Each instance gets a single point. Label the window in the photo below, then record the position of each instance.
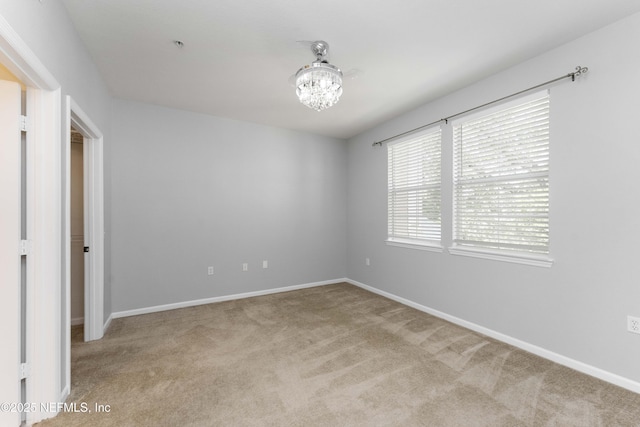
(501, 180)
(414, 190)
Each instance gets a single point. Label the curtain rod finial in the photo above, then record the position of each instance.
(578, 72)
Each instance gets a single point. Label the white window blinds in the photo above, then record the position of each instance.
(414, 188)
(501, 178)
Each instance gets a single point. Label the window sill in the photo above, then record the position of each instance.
(412, 244)
(497, 255)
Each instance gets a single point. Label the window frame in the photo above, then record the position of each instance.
(487, 252)
(407, 241)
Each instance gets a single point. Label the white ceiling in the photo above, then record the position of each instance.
(239, 54)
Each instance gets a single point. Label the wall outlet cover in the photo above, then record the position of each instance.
(633, 324)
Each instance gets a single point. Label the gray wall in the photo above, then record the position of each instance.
(192, 191)
(578, 307)
(176, 211)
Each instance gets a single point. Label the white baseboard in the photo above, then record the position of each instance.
(107, 324)
(193, 303)
(539, 351)
(65, 393)
(77, 321)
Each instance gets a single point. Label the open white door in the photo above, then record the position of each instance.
(10, 275)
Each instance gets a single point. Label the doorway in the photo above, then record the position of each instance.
(45, 377)
(77, 209)
(82, 161)
(40, 250)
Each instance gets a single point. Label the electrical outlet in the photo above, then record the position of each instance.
(633, 324)
(265, 264)
(210, 271)
(367, 261)
(245, 267)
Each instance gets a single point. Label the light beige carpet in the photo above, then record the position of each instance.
(334, 355)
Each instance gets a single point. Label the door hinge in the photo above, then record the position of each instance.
(85, 249)
(25, 247)
(24, 123)
(24, 370)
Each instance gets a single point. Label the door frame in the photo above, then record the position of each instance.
(11, 275)
(93, 181)
(43, 222)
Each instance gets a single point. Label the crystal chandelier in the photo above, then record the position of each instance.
(319, 85)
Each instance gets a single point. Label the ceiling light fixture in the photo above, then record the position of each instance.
(319, 85)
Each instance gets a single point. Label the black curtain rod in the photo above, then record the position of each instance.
(578, 72)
